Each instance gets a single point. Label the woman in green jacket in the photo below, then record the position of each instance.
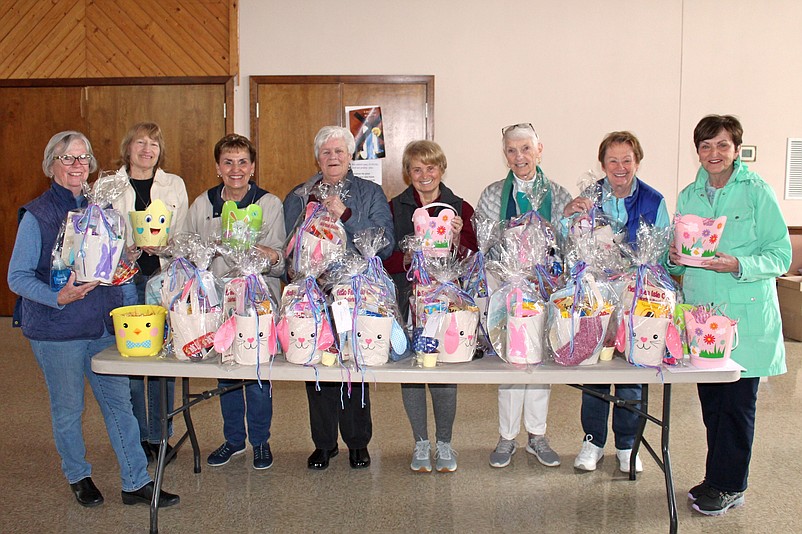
(754, 249)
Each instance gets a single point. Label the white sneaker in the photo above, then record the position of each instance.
(421, 462)
(588, 456)
(502, 455)
(624, 455)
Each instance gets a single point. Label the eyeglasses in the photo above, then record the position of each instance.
(524, 125)
(67, 159)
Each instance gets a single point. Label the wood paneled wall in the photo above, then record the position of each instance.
(112, 39)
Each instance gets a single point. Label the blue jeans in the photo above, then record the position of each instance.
(64, 365)
(595, 412)
(259, 413)
(147, 412)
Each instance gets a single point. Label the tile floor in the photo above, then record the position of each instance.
(388, 497)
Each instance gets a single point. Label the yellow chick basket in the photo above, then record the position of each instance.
(139, 329)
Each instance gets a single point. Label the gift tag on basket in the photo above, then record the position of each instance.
(342, 315)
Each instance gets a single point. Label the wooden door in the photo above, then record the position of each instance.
(191, 115)
(403, 109)
(191, 118)
(287, 112)
(291, 115)
(28, 119)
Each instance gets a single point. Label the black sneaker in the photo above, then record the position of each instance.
(718, 502)
(262, 457)
(703, 488)
(223, 454)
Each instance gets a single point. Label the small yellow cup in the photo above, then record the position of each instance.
(430, 359)
(606, 354)
(328, 359)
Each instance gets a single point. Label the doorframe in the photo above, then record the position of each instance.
(169, 80)
(256, 81)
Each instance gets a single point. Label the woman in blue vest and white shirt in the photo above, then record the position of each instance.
(501, 201)
(627, 200)
(142, 157)
(68, 327)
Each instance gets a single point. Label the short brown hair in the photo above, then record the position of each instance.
(710, 126)
(141, 129)
(428, 152)
(623, 137)
(232, 142)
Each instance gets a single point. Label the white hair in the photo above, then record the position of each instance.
(59, 144)
(334, 132)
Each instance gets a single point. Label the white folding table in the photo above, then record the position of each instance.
(487, 370)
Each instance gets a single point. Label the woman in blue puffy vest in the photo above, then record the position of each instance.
(626, 200)
(66, 328)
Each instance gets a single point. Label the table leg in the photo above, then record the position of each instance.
(672, 499)
(644, 409)
(157, 486)
(193, 439)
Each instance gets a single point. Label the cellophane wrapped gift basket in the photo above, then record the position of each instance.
(91, 241)
(193, 297)
(248, 333)
(517, 309)
(647, 335)
(305, 328)
(441, 309)
(365, 309)
(474, 278)
(318, 236)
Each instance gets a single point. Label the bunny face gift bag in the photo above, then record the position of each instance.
(442, 310)
(646, 323)
(248, 333)
(517, 311)
(364, 305)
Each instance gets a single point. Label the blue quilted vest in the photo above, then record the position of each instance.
(83, 319)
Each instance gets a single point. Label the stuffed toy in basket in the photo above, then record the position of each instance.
(578, 318)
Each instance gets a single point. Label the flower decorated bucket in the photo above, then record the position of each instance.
(435, 232)
(151, 227)
(139, 330)
(711, 338)
(697, 238)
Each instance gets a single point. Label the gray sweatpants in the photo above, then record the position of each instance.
(444, 404)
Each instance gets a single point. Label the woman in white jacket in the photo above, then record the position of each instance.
(141, 157)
